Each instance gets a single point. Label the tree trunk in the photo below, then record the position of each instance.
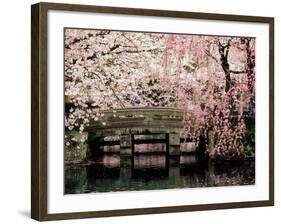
(223, 51)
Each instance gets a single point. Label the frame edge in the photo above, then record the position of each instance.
(271, 111)
(38, 112)
(35, 190)
(154, 12)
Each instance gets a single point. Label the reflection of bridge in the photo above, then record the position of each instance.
(112, 173)
(128, 122)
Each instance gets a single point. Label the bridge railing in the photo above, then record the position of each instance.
(139, 117)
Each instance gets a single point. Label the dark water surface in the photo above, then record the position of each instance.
(151, 172)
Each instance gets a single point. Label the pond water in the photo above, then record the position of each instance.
(151, 172)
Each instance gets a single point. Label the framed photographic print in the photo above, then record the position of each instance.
(140, 111)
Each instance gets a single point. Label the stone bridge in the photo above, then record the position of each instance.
(129, 122)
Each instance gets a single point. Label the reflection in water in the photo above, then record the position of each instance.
(150, 169)
(150, 172)
(144, 161)
(223, 173)
(107, 161)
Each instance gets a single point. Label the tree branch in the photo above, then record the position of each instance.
(237, 72)
(208, 53)
(134, 51)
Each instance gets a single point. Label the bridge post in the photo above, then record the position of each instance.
(174, 144)
(125, 144)
(95, 147)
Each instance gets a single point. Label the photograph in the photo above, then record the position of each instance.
(153, 111)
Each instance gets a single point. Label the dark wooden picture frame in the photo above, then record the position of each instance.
(39, 121)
